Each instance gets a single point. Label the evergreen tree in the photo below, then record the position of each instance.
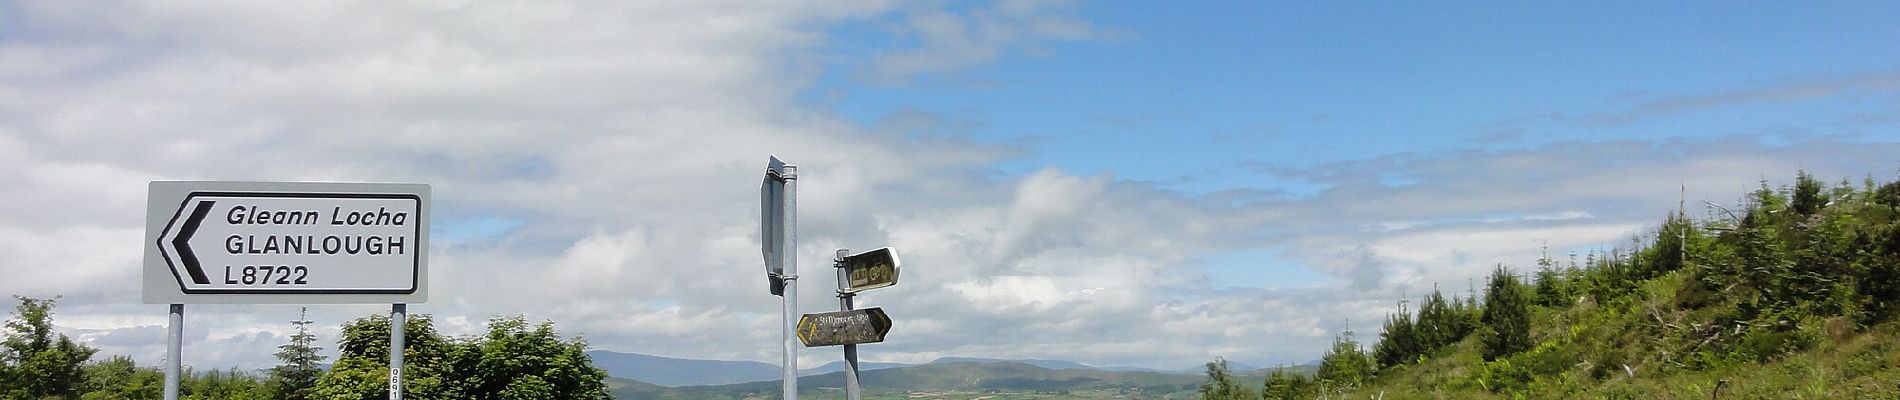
(1764, 266)
(1436, 323)
(1550, 286)
(297, 370)
(39, 363)
(1550, 291)
(1398, 342)
(1507, 316)
(1346, 365)
(1888, 195)
(230, 384)
(1286, 385)
(1672, 245)
(1467, 316)
(1808, 198)
(1878, 247)
(1221, 384)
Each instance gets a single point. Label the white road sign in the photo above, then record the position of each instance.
(285, 242)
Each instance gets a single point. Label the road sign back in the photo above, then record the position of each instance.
(280, 242)
(772, 219)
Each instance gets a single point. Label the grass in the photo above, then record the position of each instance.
(1660, 331)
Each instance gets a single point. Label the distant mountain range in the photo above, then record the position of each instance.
(966, 378)
(668, 371)
(678, 372)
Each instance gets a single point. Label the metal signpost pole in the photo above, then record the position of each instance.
(851, 389)
(174, 346)
(398, 319)
(790, 276)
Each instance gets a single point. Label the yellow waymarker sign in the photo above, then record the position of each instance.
(844, 327)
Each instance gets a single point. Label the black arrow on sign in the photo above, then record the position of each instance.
(183, 242)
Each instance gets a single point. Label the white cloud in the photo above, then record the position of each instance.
(947, 40)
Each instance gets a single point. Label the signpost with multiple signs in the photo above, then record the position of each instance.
(285, 243)
(778, 243)
(849, 327)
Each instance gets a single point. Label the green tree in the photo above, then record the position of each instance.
(1436, 323)
(362, 367)
(358, 378)
(1398, 342)
(1764, 266)
(1286, 385)
(1346, 365)
(1671, 250)
(1549, 289)
(1888, 195)
(1221, 384)
(118, 378)
(1878, 249)
(38, 362)
(297, 369)
(229, 384)
(1808, 198)
(515, 359)
(1507, 316)
(1468, 316)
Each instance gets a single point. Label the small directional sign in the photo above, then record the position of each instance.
(869, 270)
(281, 242)
(844, 327)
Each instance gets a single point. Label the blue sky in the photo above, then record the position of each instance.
(1245, 179)
(1196, 98)
(1187, 95)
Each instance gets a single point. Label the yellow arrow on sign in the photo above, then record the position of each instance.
(806, 328)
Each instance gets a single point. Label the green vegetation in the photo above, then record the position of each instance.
(1507, 316)
(298, 368)
(35, 362)
(1221, 384)
(1793, 294)
(513, 360)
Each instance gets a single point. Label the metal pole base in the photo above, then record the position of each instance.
(174, 347)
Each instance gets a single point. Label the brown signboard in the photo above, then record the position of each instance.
(844, 327)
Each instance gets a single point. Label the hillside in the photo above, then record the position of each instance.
(1792, 294)
(677, 372)
(950, 380)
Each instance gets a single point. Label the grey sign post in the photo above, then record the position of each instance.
(852, 390)
(857, 272)
(398, 323)
(778, 240)
(284, 243)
